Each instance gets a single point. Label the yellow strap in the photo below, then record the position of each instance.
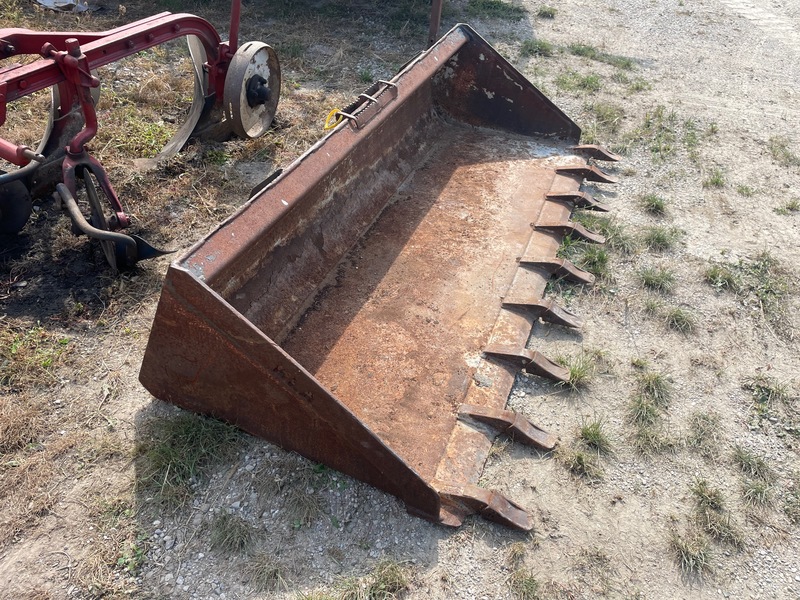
(334, 118)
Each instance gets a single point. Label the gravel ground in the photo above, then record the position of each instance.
(730, 67)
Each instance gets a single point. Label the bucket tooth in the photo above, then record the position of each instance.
(596, 152)
(587, 172)
(533, 361)
(560, 267)
(544, 367)
(550, 312)
(519, 356)
(579, 200)
(575, 230)
(510, 423)
(466, 499)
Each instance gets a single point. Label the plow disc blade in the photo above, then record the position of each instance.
(371, 306)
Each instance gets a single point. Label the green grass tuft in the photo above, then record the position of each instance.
(704, 433)
(546, 12)
(230, 533)
(386, 581)
(537, 48)
(655, 386)
(581, 369)
(766, 392)
(582, 464)
(661, 238)
(680, 320)
(707, 497)
(177, 450)
(654, 204)
(789, 207)
(778, 147)
(572, 81)
(722, 277)
(657, 279)
(643, 411)
(752, 465)
(716, 179)
(592, 53)
(524, 585)
(594, 436)
(495, 9)
(692, 553)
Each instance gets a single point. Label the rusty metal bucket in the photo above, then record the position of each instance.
(370, 307)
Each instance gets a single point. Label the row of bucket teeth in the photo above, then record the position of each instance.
(507, 349)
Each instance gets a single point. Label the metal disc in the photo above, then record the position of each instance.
(253, 59)
(98, 219)
(15, 207)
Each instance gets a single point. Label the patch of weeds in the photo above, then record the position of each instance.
(581, 369)
(230, 533)
(757, 494)
(655, 386)
(658, 279)
(692, 552)
(537, 48)
(495, 9)
(29, 356)
(594, 259)
(649, 440)
(703, 434)
(131, 556)
(789, 207)
(722, 277)
(607, 116)
(265, 573)
(524, 585)
(177, 450)
(716, 179)
(712, 129)
(216, 157)
(302, 500)
(752, 465)
(582, 464)
(657, 132)
(652, 306)
(690, 138)
(22, 423)
(572, 81)
(617, 237)
(637, 84)
(643, 411)
(386, 581)
(661, 238)
(546, 12)
(778, 147)
(365, 76)
(515, 553)
(592, 53)
(768, 282)
(766, 392)
(654, 204)
(745, 190)
(680, 320)
(640, 363)
(720, 526)
(711, 515)
(594, 436)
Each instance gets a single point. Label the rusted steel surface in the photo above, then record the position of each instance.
(371, 307)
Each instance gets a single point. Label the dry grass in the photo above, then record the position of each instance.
(387, 581)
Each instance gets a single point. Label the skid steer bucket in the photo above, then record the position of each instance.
(371, 306)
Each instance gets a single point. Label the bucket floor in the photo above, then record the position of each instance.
(398, 331)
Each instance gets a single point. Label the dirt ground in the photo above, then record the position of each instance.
(689, 486)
